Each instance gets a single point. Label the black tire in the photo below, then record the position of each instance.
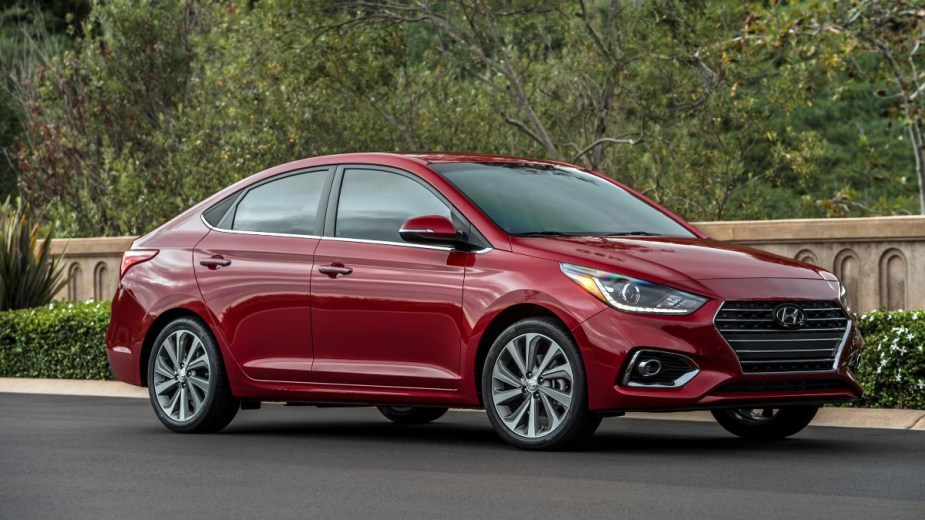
(775, 424)
(575, 425)
(217, 407)
(411, 414)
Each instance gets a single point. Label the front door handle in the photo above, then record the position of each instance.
(335, 271)
(215, 262)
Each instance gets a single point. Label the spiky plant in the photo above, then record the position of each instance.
(29, 275)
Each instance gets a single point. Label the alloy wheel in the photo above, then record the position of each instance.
(532, 385)
(182, 375)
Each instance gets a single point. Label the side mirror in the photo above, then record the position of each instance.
(430, 229)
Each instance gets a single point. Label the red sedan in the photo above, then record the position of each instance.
(547, 294)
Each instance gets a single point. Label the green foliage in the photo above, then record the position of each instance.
(28, 29)
(9, 130)
(29, 275)
(61, 340)
(719, 110)
(892, 370)
(100, 118)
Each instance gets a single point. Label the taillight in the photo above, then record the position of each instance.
(135, 257)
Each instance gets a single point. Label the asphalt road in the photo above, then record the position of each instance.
(99, 458)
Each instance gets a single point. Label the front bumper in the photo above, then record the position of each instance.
(609, 339)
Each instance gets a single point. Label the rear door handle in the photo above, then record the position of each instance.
(335, 271)
(215, 262)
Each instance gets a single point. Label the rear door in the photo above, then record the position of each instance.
(254, 270)
(385, 312)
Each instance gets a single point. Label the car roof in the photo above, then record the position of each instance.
(402, 159)
(440, 157)
(429, 157)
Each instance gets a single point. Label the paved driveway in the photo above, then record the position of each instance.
(95, 458)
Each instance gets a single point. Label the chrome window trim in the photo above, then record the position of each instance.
(404, 244)
(258, 233)
(342, 239)
(387, 243)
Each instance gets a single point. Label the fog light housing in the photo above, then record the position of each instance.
(649, 368)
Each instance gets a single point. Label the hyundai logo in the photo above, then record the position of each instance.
(789, 316)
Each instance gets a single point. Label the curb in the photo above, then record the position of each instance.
(28, 385)
(837, 417)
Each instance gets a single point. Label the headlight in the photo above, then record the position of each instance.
(843, 295)
(632, 295)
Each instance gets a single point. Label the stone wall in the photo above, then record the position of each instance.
(93, 264)
(881, 260)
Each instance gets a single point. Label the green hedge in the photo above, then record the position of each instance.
(63, 340)
(66, 340)
(892, 369)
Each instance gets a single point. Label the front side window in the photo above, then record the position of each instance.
(288, 205)
(374, 204)
(543, 199)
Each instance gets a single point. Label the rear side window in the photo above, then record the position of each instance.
(288, 205)
(215, 214)
(374, 204)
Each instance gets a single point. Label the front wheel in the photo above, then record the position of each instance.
(765, 424)
(186, 379)
(534, 387)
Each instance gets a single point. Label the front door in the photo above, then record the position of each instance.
(385, 312)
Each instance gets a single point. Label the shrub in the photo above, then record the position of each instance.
(892, 369)
(64, 340)
(29, 275)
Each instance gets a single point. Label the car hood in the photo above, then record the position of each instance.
(687, 262)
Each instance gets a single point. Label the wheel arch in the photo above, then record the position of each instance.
(498, 324)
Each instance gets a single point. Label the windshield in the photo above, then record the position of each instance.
(547, 200)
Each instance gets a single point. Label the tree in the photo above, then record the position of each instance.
(99, 117)
(719, 110)
(893, 30)
(28, 29)
(896, 31)
(507, 58)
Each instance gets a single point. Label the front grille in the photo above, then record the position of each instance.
(797, 385)
(763, 345)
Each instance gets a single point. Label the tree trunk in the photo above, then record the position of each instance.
(915, 135)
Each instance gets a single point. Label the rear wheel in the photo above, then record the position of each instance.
(411, 414)
(765, 424)
(534, 387)
(186, 379)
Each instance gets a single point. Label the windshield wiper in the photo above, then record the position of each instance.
(585, 234)
(629, 234)
(543, 234)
